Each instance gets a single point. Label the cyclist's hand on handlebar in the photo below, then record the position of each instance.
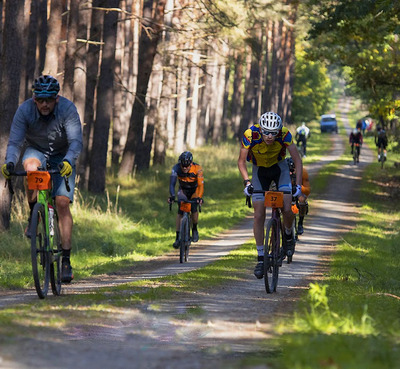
(296, 191)
(248, 190)
(65, 168)
(199, 200)
(171, 199)
(7, 169)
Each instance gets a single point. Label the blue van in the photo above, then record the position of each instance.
(328, 123)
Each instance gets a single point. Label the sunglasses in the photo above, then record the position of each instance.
(41, 100)
(272, 133)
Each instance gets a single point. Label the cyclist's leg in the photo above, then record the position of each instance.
(31, 160)
(195, 220)
(303, 210)
(285, 185)
(260, 182)
(63, 199)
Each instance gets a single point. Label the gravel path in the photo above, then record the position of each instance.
(237, 317)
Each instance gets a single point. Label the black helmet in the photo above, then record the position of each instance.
(186, 158)
(291, 164)
(45, 86)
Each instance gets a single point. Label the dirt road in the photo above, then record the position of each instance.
(237, 315)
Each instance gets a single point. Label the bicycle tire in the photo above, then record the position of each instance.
(39, 254)
(272, 257)
(183, 237)
(56, 259)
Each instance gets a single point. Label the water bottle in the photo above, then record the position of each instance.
(51, 220)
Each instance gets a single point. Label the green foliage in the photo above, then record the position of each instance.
(312, 89)
(363, 36)
(351, 320)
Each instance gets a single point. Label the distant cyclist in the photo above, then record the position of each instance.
(265, 145)
(381, 141)
(49, 124)
(356, 139)
(191, 187)
(302, 197)
(302, 135)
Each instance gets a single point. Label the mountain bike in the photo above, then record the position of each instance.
(46, 250)
(356, 153)
(274, 239)
(184, 229)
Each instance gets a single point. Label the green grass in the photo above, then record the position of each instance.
(351, 319)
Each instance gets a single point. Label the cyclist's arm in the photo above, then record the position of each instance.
(200, 183)
(17, 137)
(294, 153)
(172, 182)
(73, 129)
(242, 163)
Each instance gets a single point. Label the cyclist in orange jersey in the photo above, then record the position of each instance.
(191, 186)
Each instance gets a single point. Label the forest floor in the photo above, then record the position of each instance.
(237, 316)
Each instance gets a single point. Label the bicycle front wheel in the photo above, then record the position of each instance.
(56, 258)
(184, 239)
(39, 254)
(272, 257)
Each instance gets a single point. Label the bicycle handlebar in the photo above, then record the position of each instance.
(248, 198)
(189, 201)
(24, 173)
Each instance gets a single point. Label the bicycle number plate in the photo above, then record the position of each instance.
(185, 207)
(273, 199)
(39, 180)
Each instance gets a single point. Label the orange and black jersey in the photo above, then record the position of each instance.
(191, 183)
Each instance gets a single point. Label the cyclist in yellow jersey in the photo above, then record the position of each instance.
(265, 145)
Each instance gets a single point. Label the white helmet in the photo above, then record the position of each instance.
(270, 122)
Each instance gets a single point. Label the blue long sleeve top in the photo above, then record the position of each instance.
(60, 133)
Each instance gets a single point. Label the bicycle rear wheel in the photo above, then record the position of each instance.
(39, 255)
(56, 258)
(183, 238)
(272, 257)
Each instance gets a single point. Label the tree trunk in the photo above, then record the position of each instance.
(236, 104)
(72, 35)
(104, 110)
(151, 32)
(53, 39)
(152, 117)
(9, 93)
(96, 24)
(181, 104)
(194, 101)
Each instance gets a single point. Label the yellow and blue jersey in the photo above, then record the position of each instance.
(260, 153)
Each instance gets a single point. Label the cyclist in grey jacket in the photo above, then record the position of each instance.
(50, 127)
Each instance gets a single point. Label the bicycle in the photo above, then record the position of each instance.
(273, 247)
(301, 149)
(356, 153)
(46, 250)
(184, 229)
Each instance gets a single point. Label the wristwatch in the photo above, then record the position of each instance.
(246, 181)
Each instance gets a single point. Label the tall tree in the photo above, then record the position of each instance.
(153, 20)
(72, 36)
(11, 59)
(53, 39)
(104, 109)
(92, 70)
